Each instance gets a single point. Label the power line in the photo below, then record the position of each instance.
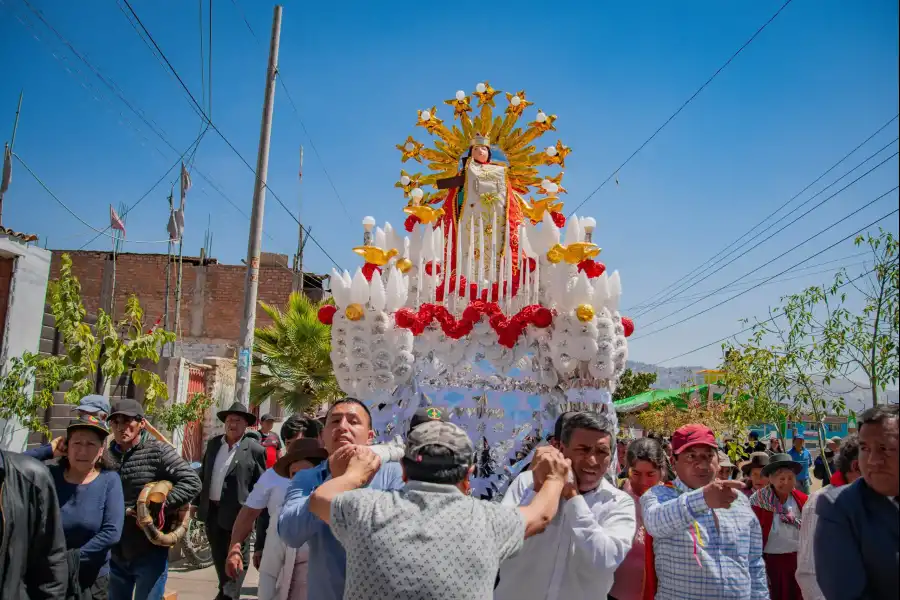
(287, 92)
(729, 299)
(746, 329)
(223, 137)
(313, 146)
(675, 284)
(684, 105)
(754, 282)
(151, 125)
(770, 236)
(73, 213)
(246, 22)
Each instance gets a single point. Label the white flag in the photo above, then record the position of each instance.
(185, 184)
(7, 171)
(114, 221)
(176, 225)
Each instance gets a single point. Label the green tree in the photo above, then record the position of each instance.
(865, 341)
(28, 384)
(756, 386)
(292, 358)
(179, 415)
(631, 384)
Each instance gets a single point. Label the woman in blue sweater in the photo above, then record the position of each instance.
(91, 503)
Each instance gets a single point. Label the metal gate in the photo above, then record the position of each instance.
(192, 448)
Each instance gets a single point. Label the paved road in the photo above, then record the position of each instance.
(203, 585)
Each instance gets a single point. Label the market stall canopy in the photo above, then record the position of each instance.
(676, 396)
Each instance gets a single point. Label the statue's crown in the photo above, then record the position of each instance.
(481, 140)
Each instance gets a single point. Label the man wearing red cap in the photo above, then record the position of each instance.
(703, 539)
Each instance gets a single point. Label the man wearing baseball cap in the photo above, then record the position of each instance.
(703, 539)
(425, 415)
(426, 535)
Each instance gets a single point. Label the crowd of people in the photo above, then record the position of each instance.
(586, 516)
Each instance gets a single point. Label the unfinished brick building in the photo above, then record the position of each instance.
(212, 293)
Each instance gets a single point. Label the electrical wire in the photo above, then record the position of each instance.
(729, 299)
(676, 283)
(224, 138)
(783, 227)
(73, 213)
(287, 92)
(745, 329)
(684, 105)
(754, 282)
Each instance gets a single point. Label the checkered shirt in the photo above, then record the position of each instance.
(701, 553)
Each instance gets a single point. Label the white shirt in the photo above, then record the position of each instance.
(784, 538)
(576, 557)
(223, 461)
(277, 564)
(806, 560)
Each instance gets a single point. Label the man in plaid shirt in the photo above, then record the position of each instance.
(706, 542)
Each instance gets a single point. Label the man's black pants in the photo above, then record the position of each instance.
(219, 542)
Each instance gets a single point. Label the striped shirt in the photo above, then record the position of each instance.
(701, 553)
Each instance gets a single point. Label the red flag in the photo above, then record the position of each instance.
(114, 221)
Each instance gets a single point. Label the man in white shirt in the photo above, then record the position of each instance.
(577, 555)
(278, 562)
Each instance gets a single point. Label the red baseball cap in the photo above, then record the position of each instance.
(692, 435)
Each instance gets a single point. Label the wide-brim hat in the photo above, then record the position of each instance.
(90, 422)
(237, 409)
(302, 449)
(757, 460)
(781, 461)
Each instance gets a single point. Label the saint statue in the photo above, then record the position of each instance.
(482, 207)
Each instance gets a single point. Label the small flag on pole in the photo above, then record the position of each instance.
(300, 175)
(185, 184)
(7, 170)
(114, 221)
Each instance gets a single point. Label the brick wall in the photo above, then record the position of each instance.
(212, 294)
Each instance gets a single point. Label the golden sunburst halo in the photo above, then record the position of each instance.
(519, 144)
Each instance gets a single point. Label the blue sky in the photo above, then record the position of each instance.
(818, 81)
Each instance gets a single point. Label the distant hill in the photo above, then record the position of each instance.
(857, 399)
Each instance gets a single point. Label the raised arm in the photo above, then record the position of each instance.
(362, 464)
(601, 543)
(665, 518)
(551, 472)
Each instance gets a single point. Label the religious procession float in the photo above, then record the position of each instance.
(493, 306)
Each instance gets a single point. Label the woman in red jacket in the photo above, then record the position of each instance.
(778, 507)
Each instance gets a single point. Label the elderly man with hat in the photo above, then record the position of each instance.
(282, 570)
(703, 539)
(231, 466)
(430, 539)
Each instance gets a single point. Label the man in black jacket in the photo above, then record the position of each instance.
(858, 532)
(32, 546)
(139, 569)
(231, 466)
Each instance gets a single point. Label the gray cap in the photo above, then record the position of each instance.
(444, 435)
(93, 404)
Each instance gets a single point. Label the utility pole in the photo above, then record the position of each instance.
(169, 270)
(242, 386)
(7, 155)
(298, 258)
